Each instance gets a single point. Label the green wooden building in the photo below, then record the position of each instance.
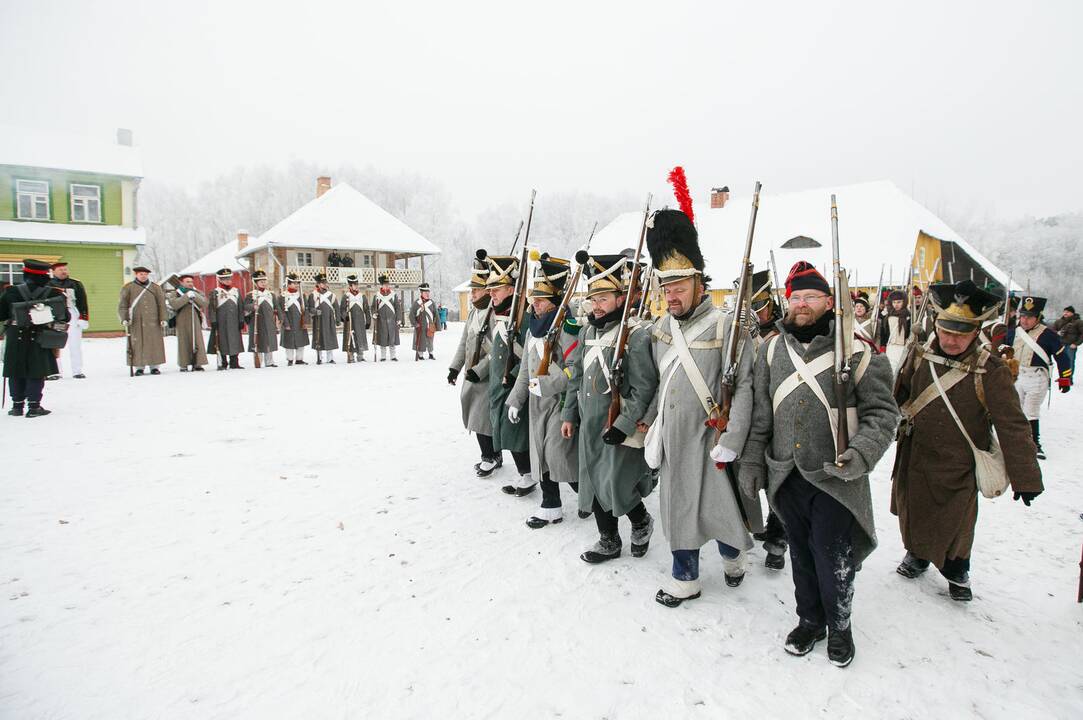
(67, 198)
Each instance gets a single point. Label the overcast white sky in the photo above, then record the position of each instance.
(974, 106)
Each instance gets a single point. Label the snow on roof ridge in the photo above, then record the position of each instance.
(43, 148)
(222, 256)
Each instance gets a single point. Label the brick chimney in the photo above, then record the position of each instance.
(323, 184)
(720, 196)
(124, 137)
(242, 240)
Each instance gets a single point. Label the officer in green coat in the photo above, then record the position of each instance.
(515, 437)
(613, 476)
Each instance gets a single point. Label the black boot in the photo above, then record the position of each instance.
(774, 561)
(17, 409)
(803, 638)
(289, 363)
(1035, 431)
(607, 548)
(155, 371)
(488, 466)
(584, 514)
(235, 362)
(36, 410)
(959, 593)
(139, 371)
(641, 536)
(912, 566)
(536, 523)
(840, 647)
(197, 368)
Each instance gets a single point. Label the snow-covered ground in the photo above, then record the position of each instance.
(312, 542)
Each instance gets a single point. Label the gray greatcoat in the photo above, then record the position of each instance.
(798, 434)
(356, 308)
(385, 317)
(268, 331)
(549, 451)
(506, 434)
(145, 312)
(226, 317)
(290, 310)
(475, 395)
(321, 309)
(616, 474)
(189, 308)
(697, 500)
(426, 321)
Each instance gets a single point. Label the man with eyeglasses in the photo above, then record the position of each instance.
(822, 497)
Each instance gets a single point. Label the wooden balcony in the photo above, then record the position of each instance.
(399, 277)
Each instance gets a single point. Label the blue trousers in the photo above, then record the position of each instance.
(686, 562)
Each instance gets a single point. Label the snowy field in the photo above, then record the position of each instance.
(312, 542)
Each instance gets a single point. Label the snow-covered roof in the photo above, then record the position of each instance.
(462, 287)
(65, 233)
(878, 228)
(344, 219)
(32, 147)
(215, 260)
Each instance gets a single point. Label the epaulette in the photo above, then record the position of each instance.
(571, 326)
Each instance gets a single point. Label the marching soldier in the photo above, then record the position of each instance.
(142, 312)
(78, 310)
(767, 314)
(27, 362)
(613, 475)
(822, 496)
(514, 437)
(425, 320)
(260, 312)
(323, 314)
(473, 350)
(553, 459)
(291, 311)
(1037, 347)
(698, 501)
(895, 329)
(934, 488)
(226, 316)
(354, 307)
(188, 306)
(385, 318)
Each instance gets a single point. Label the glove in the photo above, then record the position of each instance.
(452, 376)
(1026, 497)
(124, 323)
(853, 466)
(83, 324)
(1065, 384)
(513, 414)
(752, 478)
(472, 376)
(614, 436)
(164, 324)
(722, 455)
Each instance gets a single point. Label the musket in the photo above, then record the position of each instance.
(316, 325)
(128, 340)
(879, 292)
(347, 328)
(581, 258)
(844, 337)
(616, 373)
(483, 332)
(774, 282)
(1007, 301)
(518, 301)
(255, 327)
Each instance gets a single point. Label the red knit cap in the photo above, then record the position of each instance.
(804, 276)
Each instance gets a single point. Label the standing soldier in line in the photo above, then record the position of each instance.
(698, 503)
(323, 313)
(934, 489)
(553, 459)
(354, 307)
(864, 322)
(291, 312)
(80, 316)
(474, 396)
(895, 329)
(260, 311)
(507, 435)
(188, 306)
(26, 362)
(142, 312)
(385, 316)
(1037, 347)
(226, 316)
(768, 314)
(424, 318)
(613, 475)
(822, 496)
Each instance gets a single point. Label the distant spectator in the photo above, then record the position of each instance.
(347, 260)
(334, 260)
(1070, 328)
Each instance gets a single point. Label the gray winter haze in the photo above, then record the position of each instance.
(972, 107)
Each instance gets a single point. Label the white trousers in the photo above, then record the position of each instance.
(75, 346)
(1032, 386)
(295, 353)
(895, 355)
(384, 349)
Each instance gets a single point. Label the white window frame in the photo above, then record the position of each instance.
(11, 272)
(367, 260)
(304, 259)
(34, 197)
(71, 194)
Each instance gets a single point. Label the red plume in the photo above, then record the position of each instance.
(680, 190)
